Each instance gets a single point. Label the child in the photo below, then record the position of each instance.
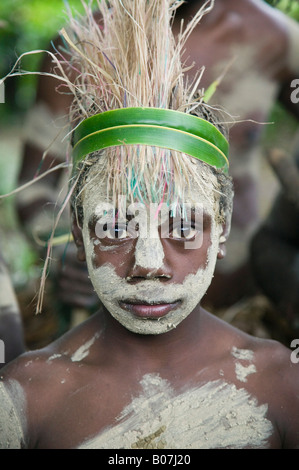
(151, 215)
(254, 48)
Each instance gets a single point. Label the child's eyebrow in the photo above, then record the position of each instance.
(94, 218)
(118, 215)
(193, 211)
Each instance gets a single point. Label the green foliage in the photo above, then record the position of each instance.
(26, 25)
(20, 257)
(33, 23)
(290, 7)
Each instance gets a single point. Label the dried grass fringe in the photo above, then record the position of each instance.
(128, 59)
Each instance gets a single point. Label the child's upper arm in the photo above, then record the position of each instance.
(12, 413)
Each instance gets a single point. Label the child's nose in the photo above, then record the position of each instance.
(149, 253)
(149, 260)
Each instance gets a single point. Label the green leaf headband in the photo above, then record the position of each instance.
(156, 127)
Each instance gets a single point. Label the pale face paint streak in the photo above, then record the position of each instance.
(242, 371)
(149, 253)
(112, 289)
(80, 353)
(12, 415)
(83, 351)
(53, 357)
(215, 415)
(242, 354)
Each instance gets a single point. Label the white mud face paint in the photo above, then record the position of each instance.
(12, 416)
(149, 251)
(113, 290)
(83, 351)
(212, 416)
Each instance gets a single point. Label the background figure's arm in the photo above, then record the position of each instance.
(290, 75)
(275, 246)
(11, 326)
(38, 206)
(11, 425)
(44, 130)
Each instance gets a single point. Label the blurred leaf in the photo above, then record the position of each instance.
(26, 25)
(290, 7)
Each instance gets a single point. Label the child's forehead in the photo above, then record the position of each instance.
(98, 206)
(197, 186)
(144, 211)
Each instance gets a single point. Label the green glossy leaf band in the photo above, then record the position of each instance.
(155, 127)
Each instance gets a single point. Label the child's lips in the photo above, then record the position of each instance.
(149, 310)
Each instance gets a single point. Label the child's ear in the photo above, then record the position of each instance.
(78, 239)
(223, 238)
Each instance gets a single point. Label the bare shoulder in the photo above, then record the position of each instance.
(72, 347)
(275, 361)
(37, 383)
(42, 368)
(269, 371)
(279, 375)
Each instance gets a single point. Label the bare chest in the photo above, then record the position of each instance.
(213, 415)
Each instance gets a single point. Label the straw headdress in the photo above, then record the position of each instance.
(128, 74)
(135, 120)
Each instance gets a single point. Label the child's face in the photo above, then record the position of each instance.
(152, 278)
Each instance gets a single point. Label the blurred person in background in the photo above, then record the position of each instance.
(11, 326)
(275, 245)
(252, 50)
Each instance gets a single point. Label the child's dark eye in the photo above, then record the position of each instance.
(185, 230)
(119, 231)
